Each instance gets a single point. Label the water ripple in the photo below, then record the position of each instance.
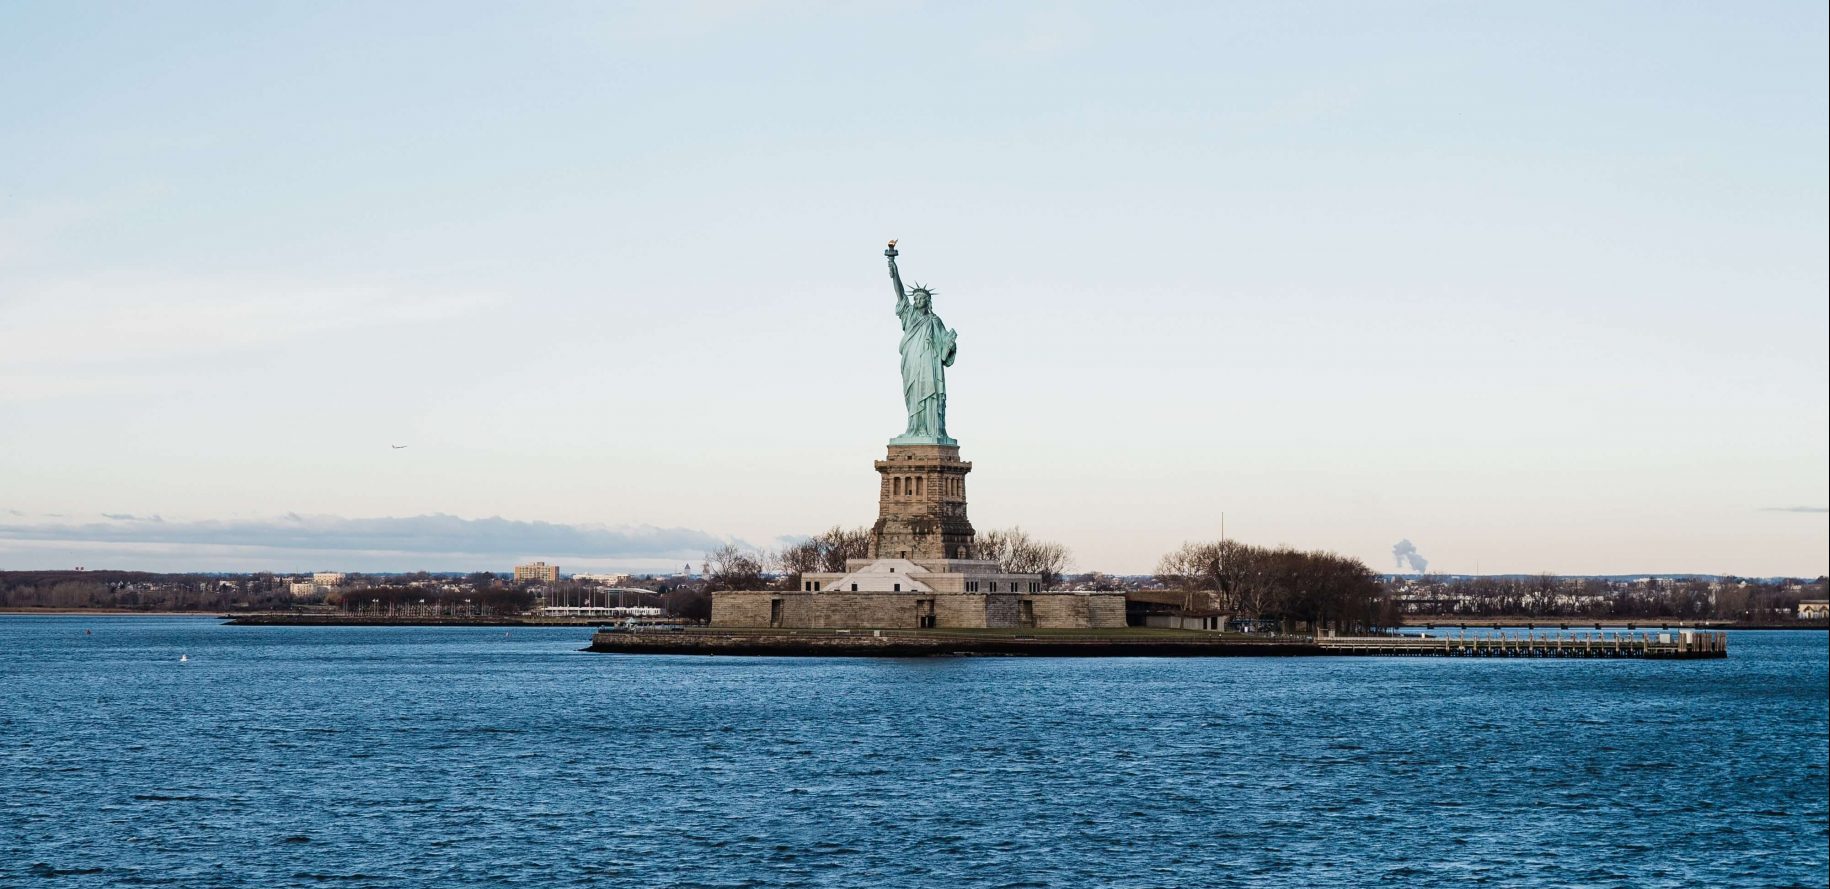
(447, 757)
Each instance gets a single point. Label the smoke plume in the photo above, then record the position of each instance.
(1405, 552)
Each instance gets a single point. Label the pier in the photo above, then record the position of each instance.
(1680, 645)
(1144, 642)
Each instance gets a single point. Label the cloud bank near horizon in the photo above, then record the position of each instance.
(301, 542)
(1805, 509)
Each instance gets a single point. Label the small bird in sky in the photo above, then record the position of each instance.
(396, 447)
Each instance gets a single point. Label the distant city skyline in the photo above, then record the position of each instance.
(1532, 288)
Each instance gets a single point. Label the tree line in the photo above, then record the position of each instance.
(141, 590)
(1281, 583)
(731, 567)
(1548, 595)
(259, 591)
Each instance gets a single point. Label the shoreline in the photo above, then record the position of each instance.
(275, 618)
(1132, 642)
(272, 619)
(29, 611)
(959, 643)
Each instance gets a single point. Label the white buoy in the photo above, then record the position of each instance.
(184, 659)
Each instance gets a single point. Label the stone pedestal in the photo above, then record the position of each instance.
(921, 573)
(921, 511)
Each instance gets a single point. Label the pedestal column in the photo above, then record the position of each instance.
(921, 498)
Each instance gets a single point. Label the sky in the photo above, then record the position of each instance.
(1533, 286)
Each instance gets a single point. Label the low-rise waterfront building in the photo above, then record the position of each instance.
(1212, 621)
(896, 593)
(636, 612)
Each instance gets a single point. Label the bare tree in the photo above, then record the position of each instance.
(839, 545)
(801, 558)
(1319, 588)
(688, 602)
(823, 553)
(1018, 553)
(732, 568)
(1233, 572)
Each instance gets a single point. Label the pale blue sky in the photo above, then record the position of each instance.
(1538, 286)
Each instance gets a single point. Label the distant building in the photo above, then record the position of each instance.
(604, 579)
(1813, 609)
(645, 612)
(303, 588)
(328, 578)
(1188, 620)
(537, 572)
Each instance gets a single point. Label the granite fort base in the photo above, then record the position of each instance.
(909, 611)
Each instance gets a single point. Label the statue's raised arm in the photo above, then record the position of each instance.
(896, 276)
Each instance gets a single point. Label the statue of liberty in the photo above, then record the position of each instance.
(928, 348)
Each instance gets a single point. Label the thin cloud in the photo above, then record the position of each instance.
(137, 330)
(1810, 509)
(1043, 36)
(428, 538)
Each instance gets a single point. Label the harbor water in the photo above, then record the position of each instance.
(436, 756)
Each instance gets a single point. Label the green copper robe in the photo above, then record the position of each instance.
(928, 348)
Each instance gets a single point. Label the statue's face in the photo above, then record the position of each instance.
(921, 300)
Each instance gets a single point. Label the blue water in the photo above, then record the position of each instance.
(471, 757)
